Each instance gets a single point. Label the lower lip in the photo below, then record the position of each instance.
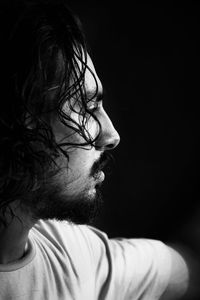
(99, 176)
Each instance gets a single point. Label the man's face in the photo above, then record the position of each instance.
(73, 193)
(76, 173)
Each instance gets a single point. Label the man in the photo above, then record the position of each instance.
(55, 135)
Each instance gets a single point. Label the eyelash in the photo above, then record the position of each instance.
(94, 108)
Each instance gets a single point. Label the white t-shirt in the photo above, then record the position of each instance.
(66, 262)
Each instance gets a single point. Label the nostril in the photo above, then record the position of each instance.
(112, 144)
(108, 138)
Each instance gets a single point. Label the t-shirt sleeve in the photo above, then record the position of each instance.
(103, 268)
(129, 268)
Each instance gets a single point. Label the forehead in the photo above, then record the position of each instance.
(92, 80)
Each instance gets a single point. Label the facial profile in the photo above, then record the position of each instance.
(74, 192)
(61, 133)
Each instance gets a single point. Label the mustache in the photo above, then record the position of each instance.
(103, 162)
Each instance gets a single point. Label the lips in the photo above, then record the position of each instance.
(100, 164)
(99, 176)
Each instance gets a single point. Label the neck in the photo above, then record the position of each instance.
(14, 237)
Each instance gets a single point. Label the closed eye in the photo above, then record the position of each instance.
(94, 100)
(94, 106)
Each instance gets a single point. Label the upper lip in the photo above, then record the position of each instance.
(102, 165)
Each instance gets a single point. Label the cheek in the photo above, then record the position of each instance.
(79, 159)
(88, 123)
(92, 128)
(65, 134)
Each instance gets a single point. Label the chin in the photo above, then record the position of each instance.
(92, 194)
(51, 203)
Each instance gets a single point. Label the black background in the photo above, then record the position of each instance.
(147, 57)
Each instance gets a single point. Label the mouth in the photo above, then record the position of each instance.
(99, 165)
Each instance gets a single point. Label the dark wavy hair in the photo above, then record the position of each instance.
(42, 65)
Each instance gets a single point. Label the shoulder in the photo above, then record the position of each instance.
(84, 246)
(140, 265)
(70, 236)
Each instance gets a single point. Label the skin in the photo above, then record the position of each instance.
(76, 173)
(75, 177)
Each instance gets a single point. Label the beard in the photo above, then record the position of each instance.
(51, 202)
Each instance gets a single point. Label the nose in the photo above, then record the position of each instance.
(109, 137)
